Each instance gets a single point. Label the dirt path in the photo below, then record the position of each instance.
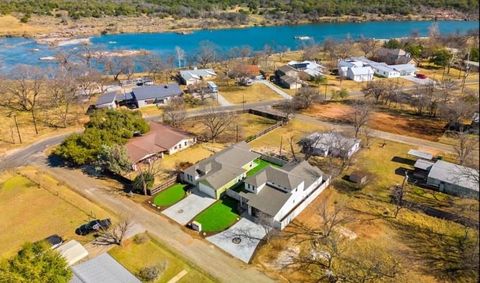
(201, 253)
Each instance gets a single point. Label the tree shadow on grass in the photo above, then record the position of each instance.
(451, 258)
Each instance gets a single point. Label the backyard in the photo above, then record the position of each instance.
(170, 195)
(35, 205)
(260, 165)
(295, 130)
(425, 246)
(219, 216)
(144, 251)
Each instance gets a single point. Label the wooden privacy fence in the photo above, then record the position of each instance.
(169, 182)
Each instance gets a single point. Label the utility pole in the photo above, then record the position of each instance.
(281, 145)
(18, 129)
(236, 133)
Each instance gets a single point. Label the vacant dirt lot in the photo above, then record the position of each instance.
(402, 124)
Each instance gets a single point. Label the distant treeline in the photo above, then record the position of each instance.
(271, 9)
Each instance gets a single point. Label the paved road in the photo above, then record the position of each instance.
(19, 157)
(200, 252)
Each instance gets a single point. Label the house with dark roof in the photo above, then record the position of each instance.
(393, 56)
(214, 175)
(289, 77)
(155, 94)
(160, 140)
(107, 100)
(277, 195)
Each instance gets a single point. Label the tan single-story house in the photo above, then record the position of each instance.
(160, 140)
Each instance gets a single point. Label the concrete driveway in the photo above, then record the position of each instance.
(240, 240)
(418, 81)
(186, 209)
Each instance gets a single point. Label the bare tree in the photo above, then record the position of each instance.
(24, 91)
(206, 53)
(360, 115)
(118, 65)
(306, 97)
(465, 146)
(115, 235)
(63, 94)
(367, 45)
(217, 122)
(447, 86)
(174, 112)
(375, 89)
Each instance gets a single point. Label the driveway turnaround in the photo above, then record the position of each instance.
(240, 240)
(186, 209)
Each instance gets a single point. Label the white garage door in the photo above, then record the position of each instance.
(207, 190)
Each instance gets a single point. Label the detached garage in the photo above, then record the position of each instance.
(103, 269)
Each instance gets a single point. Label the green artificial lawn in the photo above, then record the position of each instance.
(261, 164)
(219, 216)
(170, 196)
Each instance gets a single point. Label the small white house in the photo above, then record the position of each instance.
(189, 77)
(355, 70)
(333, 144)
(383, 70)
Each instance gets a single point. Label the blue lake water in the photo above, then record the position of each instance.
(26, 51)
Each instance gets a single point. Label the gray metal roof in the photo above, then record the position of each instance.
(102, 269)
(156, 91)
(423, 164)
(404, 67)
(197, 74)
(420, 154)
(106, 98)
(361, 70)
(454, 174)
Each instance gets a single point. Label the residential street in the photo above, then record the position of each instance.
(203, 254)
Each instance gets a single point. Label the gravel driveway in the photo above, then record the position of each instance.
(186, 209)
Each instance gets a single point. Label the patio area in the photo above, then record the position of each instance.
(240, 240)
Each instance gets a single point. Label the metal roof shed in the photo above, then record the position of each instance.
(72, 251)
(103, 269)
(420, 154)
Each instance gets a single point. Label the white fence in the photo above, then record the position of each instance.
(299, 208)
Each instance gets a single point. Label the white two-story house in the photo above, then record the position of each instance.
(278, 195)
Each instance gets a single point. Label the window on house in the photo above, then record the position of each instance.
(185, 143)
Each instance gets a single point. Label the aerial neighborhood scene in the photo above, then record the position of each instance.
(239, 141)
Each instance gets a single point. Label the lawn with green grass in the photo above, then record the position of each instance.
(170, 196)
(135, 255)
(219, 216)
(261, 164)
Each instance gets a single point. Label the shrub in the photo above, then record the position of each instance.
(140, 239)
(151, 273)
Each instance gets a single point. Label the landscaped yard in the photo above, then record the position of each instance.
(261, 164)
(31, 212)
(170, 195)
(135, 255)
(253, 93)
(219, 216)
